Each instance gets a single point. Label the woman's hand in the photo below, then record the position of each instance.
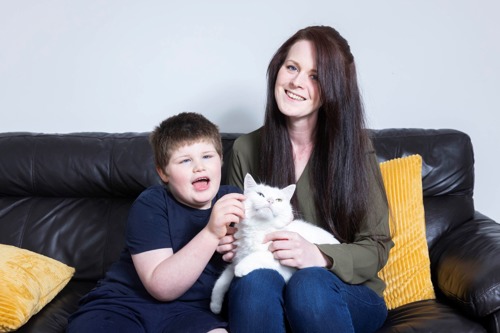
(293, 250)
(226, 245)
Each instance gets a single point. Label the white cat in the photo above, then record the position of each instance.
(267, 209)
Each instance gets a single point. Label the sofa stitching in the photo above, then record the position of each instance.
(33, 167)
(33, 189)
(109, 208)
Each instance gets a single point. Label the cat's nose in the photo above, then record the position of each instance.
(270, 201)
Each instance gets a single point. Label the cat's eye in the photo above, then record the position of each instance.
(279, 200)
(260, 193)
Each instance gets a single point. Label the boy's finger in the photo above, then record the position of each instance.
(235, 195)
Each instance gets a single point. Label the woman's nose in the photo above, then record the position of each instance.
(298, 80)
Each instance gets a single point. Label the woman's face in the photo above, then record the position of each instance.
(296, 89)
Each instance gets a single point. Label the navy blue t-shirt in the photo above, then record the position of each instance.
(157, 220)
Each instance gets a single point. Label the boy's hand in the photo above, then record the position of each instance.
(228, 209)
(226, 245)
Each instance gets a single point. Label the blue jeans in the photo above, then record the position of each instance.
(314, 300)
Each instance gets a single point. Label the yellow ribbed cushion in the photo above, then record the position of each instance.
(28, 281)
(407, 273)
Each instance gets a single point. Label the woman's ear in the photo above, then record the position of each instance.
(162, 174)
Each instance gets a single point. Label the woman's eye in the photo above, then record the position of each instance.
(314, 77)
(291, 68)
(259, 193)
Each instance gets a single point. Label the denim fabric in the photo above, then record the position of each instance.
(314, 300)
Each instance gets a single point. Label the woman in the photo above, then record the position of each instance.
(314, 136)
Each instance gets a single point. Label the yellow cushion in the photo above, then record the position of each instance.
(28, 281)
(407, 273)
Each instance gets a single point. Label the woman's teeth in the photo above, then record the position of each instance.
(295, 97)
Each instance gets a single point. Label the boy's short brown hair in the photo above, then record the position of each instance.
(180, 130)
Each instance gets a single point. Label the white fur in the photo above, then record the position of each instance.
(267, 209)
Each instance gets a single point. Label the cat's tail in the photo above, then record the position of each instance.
(220, 288)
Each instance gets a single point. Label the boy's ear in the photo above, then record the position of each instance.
(162, 174)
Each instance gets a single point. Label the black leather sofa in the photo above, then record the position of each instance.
(67, 196)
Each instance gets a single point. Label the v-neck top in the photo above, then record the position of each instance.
(356, 263)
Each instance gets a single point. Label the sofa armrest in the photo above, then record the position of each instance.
(492, 322)
(465, 263)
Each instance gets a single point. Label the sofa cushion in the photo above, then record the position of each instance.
(67, 196)
(54, 316)
(28, 281)
(407, 272)
(429, 316)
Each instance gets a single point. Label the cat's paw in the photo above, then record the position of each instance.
(215, 307)
(242, 270)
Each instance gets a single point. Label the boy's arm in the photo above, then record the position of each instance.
(167, 275)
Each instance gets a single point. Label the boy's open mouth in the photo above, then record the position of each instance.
(201, 184)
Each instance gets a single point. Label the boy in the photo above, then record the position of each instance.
(164, 278)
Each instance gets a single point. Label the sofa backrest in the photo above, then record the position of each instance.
(67, 195)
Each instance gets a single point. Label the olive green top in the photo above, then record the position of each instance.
(355, 263)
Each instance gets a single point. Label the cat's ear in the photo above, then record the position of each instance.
(249, 182)
(289, 191)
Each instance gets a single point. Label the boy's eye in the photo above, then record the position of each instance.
(187, 160)
(259, 193)
(208, 156)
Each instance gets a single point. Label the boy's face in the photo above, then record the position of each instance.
(193, 174)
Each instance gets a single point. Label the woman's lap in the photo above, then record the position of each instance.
(255, 301)
(314, 299)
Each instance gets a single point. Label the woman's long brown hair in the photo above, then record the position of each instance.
(338, 166)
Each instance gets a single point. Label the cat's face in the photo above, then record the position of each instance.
(266, 203)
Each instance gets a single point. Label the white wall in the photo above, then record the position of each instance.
(125, 65)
